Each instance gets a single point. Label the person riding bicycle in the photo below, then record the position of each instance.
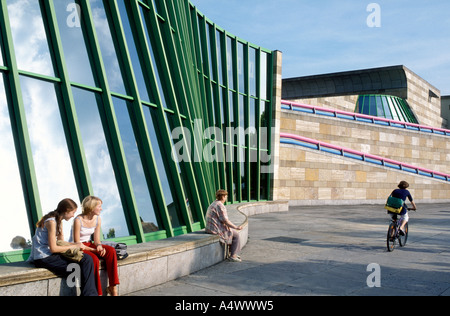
(403, 194)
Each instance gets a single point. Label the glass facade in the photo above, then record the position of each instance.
(147, 104)
(390, 107)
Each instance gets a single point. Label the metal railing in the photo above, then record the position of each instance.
(291, 139)
(287, 105)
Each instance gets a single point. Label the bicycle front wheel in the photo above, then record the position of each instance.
(390, 239)
(402, 239)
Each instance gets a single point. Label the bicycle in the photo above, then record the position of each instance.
(394, 233)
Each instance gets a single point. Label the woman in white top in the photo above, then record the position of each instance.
(86, 225)
(46, 253)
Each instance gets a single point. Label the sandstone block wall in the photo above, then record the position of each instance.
(309, 177)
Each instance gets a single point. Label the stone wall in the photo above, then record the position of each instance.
(341, 90)
(310, 177)
(425, 100)
(426, 150)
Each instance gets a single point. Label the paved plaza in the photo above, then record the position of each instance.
(330, 250)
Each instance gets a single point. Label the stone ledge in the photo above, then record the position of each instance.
(148, 264)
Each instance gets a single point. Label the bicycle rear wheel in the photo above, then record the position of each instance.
(403, 239)
(390, 239)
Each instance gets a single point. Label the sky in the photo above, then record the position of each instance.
(327, 36)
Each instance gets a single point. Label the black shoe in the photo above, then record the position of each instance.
(402, 233)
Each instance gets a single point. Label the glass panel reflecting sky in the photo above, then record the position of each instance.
(155, 66)
(51, 158)
(264, 78)
(138, 74)
(252, 71)
(219, 55)
(99, 163)
(240, 64)
(107, 48)
(171, 206)
(230, 63)
(74, 46)
(30, 39)
(140, 186)
(14, 227)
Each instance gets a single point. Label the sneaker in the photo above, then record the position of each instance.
(402, 233)
(234, 259)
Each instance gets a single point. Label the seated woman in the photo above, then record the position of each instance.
(86, 224)
(217, 223)
(45, 253)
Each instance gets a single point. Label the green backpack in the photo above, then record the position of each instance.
(394, 205)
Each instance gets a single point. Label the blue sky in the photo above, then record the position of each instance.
(333, 35)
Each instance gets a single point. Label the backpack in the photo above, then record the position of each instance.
(394, 205)
(121, 249)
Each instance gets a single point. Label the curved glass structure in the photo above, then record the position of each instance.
(145, 103)
(390, 107)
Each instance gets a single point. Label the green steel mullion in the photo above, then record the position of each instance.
(150, 82)
(247, 119)
(258, 122)
(195, 42)
(270, 76)
(204, 47)
(190, 59)
(67, 106)
(397, 110)
(111, 128)
(408, 111)
(209, 105)
(183, 13)
(362, 105)
(403, 107)
(236, 113)
(198, 58)
(137, 115)
(175, 55)
(402, 110)
(174, 86)
(192, 41)
(216, 95)
(218, 108)
(205, 84)
(200, 168)
(19, 123)
(382, 106)
(228, 152)
(204, 72)
(160, 122)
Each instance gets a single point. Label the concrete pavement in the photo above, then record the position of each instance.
(328, 250)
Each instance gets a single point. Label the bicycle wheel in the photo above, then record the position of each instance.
(402, 239)
(390, 239)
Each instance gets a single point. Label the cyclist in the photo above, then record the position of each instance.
(403, 194)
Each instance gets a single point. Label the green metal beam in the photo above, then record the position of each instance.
(19, 122)
(110, 126)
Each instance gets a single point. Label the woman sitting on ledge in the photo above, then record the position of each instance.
(217, 223)
(46, 253)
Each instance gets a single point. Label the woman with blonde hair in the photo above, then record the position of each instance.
(46, 253)
(87, 224)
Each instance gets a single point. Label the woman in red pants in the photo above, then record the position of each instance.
(86, 224)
